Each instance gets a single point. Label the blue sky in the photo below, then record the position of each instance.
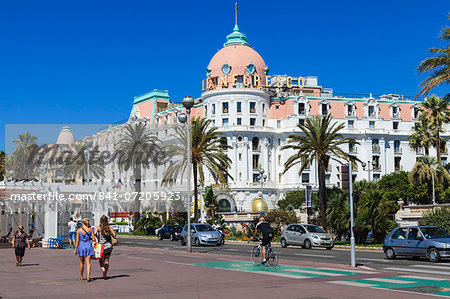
(82, 62)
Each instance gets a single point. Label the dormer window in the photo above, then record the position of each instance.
(324, 109)
(416, 111)
(395, 110)
(350, 110)
(371, 111)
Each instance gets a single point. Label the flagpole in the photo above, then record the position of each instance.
(236, 13)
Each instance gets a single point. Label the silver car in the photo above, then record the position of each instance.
(418, 241)
(306, 235)
(201, 234)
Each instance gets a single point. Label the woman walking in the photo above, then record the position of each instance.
(103, 232)
(84, 248)
(19, 242)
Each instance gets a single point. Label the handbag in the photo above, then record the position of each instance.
(98, 251)
(114, 240)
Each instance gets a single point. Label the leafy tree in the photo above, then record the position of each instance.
(294, 199)
(438, 66)
(338, 212)
(320, 140)
(437, 113)
(280, 218)
(148, 222)
(138, 147)
(210, 201)
(425, 170)
(23, 162)
(75, 164)
(438, 217)
(207, 152)
(396, 185)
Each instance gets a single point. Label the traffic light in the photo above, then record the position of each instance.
(343, 177)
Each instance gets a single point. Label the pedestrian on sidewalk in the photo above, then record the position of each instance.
(103, 232)
(19, 242)
(72, 231)
(84, 248)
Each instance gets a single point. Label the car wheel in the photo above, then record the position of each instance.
(307, 244)
(197, 242)
(390, 253)
(283, 243)
(172, 237)
(159, 237)
(433, 255)
(183, 243)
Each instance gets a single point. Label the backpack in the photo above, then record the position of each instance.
(271, 234)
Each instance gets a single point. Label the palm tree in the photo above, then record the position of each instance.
(320, 141)
(438, 66)
(426, 170)
(436, 111)
(2, 165)
(137, 148)
(422, 135)
(207, 152)
(75, 164)
(23, 160)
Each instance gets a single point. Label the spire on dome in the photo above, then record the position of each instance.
(236, 38)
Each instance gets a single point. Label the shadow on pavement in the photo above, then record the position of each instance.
(111, 277)
(28, 265)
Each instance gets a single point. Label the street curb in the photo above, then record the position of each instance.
(339, 247)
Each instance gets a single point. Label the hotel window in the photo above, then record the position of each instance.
(225, 107)
(371, 124)
(301, 108)
(214, 122)
(397, 146)
(350, 110)
(239, 80)
(395, 112)
(213, 109)
(324, 109)
(352, 147)
(278, 124)
(206, 110)
(255, 178)
(225, 122)
(371, 111)
(256, 162)
(416, 112)
(376, 177)
(444, 160)
(397, 165)
(351, 124)
(264, 122)
(255, 144)
(240, 157)
(279, 160)
(327, 179)
(252, 107)
(240, 176)
(239, 107)
(395, 125)
(301, 121)
(252, 121)
(263, 108)
(305, 178)
(279, 177)
(224, 143)
(239, 121)
(279, 141)
(376, 162)
(277, 107)
(375, 145)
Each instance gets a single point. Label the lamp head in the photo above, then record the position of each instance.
(363, 164)
(182, 118)
(188, 102)
(261, 170)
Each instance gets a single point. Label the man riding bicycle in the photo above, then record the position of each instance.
(267, 233)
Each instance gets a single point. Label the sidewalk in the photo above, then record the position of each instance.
(144, 273)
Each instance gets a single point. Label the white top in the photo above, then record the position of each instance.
(72, 226)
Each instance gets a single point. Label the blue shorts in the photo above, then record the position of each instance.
(72, 236)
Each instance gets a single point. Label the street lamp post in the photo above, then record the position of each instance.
(188, 103)
(368, 167)
(262, 177)
(88, 143)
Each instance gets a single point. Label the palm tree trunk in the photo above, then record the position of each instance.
(438, 145)
(322, 188)
(194, 165)
(137, 188)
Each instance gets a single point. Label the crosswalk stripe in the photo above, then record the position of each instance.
(281, 274)
(352, 283)
(389, 280)
(316, 272)
(349, 270)
(315, 255)
(416, 270)
(432, 267)
(423, 277)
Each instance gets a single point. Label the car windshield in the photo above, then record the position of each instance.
(314, 229)
(434, 233)
(204, 228)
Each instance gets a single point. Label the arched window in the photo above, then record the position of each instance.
(259, 205)
(224, 206)
(255, 144)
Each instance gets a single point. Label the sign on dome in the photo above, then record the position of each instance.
(252, 81)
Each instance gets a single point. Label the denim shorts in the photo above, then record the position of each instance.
(72, 235)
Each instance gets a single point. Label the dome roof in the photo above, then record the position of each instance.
(238, 54)
(65, 136)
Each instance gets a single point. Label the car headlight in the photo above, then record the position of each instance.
(315, 236)
(446, 245)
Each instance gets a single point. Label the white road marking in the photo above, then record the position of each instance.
(416, 270)
(231, 249)
(281, 274)
(187, 255)
(315, 255)
(351, 283)
(316, 272)
(178, 263)
(348, 270)
(139, 258)
(374, 260)
(432, 267)
(423, 277)
(390, 280)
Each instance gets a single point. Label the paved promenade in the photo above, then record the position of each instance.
(155, 273)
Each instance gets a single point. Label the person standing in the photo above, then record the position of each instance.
(72, 231)
(19, 242)
(103, 232)
(84, 248)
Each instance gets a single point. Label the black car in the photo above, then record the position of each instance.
(171, 232)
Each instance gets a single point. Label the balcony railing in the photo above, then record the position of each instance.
(397, 150)
(376, 148)
(377, 168)
(353, 150)
(256, 148)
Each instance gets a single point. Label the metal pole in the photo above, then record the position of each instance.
(352, 236)
(189, 169)
(434, 197)
(262, 201)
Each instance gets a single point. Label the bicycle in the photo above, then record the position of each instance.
(271, 255)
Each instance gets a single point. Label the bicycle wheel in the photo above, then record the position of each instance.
(256, 255)
(272, 257)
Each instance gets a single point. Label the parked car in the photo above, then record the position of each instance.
(417, 241)
(306, 235)
(114, 226)
(171, 232)
(201, 234)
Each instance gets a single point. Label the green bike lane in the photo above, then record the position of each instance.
(371, 279)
